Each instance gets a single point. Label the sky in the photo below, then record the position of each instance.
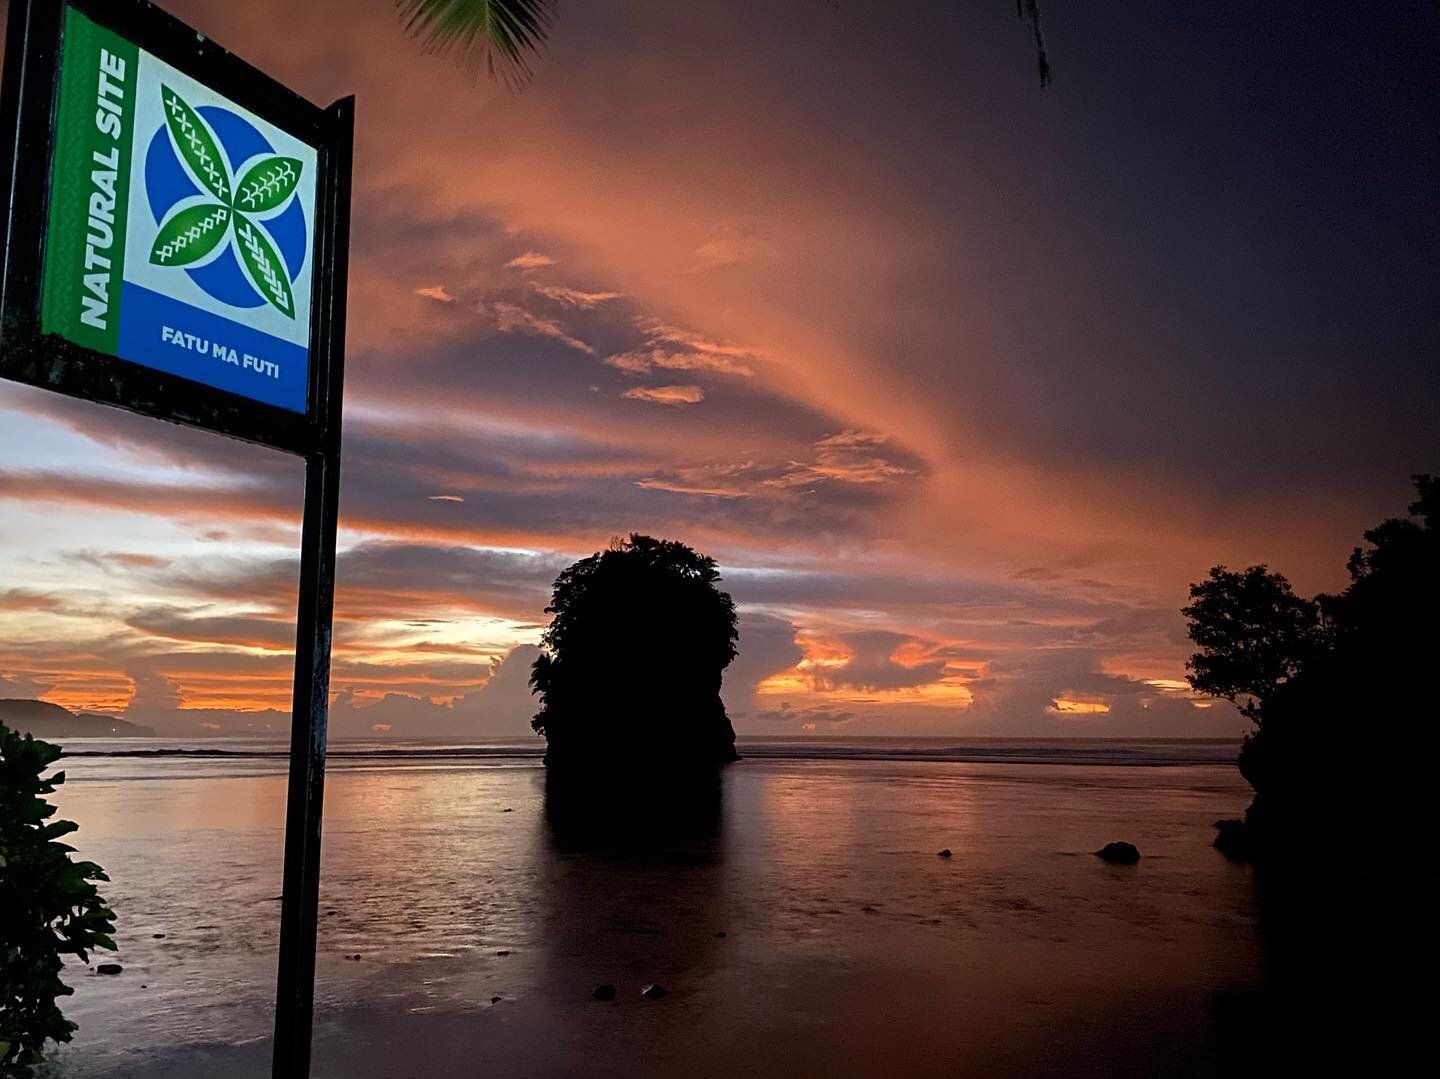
(961, 380)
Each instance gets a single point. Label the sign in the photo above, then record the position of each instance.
(181, 224)
(173, 234)
(176, 235)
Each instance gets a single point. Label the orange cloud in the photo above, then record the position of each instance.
(666, 395)
(531, 260)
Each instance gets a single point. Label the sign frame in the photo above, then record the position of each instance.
(27, 119)
(29, 104)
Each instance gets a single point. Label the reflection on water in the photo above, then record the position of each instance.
(486, 908)
(640, 863)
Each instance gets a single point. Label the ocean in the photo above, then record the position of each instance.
(801, 924)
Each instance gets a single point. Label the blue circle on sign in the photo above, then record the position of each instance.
(167, 184)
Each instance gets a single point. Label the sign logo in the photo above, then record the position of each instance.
(249, 233)
(181, 224)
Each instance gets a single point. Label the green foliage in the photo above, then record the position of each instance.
(1254, 634)
(49, 905)
(634, 656)
(499, 35)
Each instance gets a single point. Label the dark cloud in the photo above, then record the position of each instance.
(1023, 691)
(501, 708)
(180, 625)
(766, 647)
(875, 664)
(968, 388)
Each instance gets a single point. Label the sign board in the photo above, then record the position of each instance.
(176, 231)
(180, 226)
(172, 241)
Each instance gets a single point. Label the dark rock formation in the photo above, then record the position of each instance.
(1118, 853)
(1232, 839)
(629, 678)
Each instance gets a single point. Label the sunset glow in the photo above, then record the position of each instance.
(959, 438)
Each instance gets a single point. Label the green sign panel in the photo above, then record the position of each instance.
(181, 228)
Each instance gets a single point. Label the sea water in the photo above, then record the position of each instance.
(806, 924)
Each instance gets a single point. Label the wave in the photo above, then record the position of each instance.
(1106, 752)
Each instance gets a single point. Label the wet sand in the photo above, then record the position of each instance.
(848, 946)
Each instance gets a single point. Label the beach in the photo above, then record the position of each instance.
(808, 927)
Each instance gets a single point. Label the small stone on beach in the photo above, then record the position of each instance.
(158, 936)
(604, 992)
(944, 853)
(654, 992)
(354, 957)
(1119, 853)
(109, 968)
(494, 1000)
(503, 952)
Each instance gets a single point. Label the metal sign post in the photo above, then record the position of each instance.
(176, 237)
(309, 714)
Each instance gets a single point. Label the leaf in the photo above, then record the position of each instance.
(188, 236)
(267, 184)
(59, 828)
(197, 147)
(501, 35)
(267, 271)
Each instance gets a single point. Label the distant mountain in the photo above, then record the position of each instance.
(46, 720)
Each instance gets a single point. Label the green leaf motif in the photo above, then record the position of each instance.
(263, 262)
(197, 147)
(267, 184)
(188, 236)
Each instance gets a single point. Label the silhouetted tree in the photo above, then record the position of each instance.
(1254, 634)
(1346, 737)
(49, 905)
(632, 661)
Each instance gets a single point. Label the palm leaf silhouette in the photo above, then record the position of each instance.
(503, 35)
(500, 35)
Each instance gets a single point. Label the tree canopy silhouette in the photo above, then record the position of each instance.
(49, 904)
(632, 661)
(1254, 634)
(1345, 739)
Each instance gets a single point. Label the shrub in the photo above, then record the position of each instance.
(49, 905)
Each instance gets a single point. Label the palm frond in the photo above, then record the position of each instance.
(500, 36)
(1029, 10)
